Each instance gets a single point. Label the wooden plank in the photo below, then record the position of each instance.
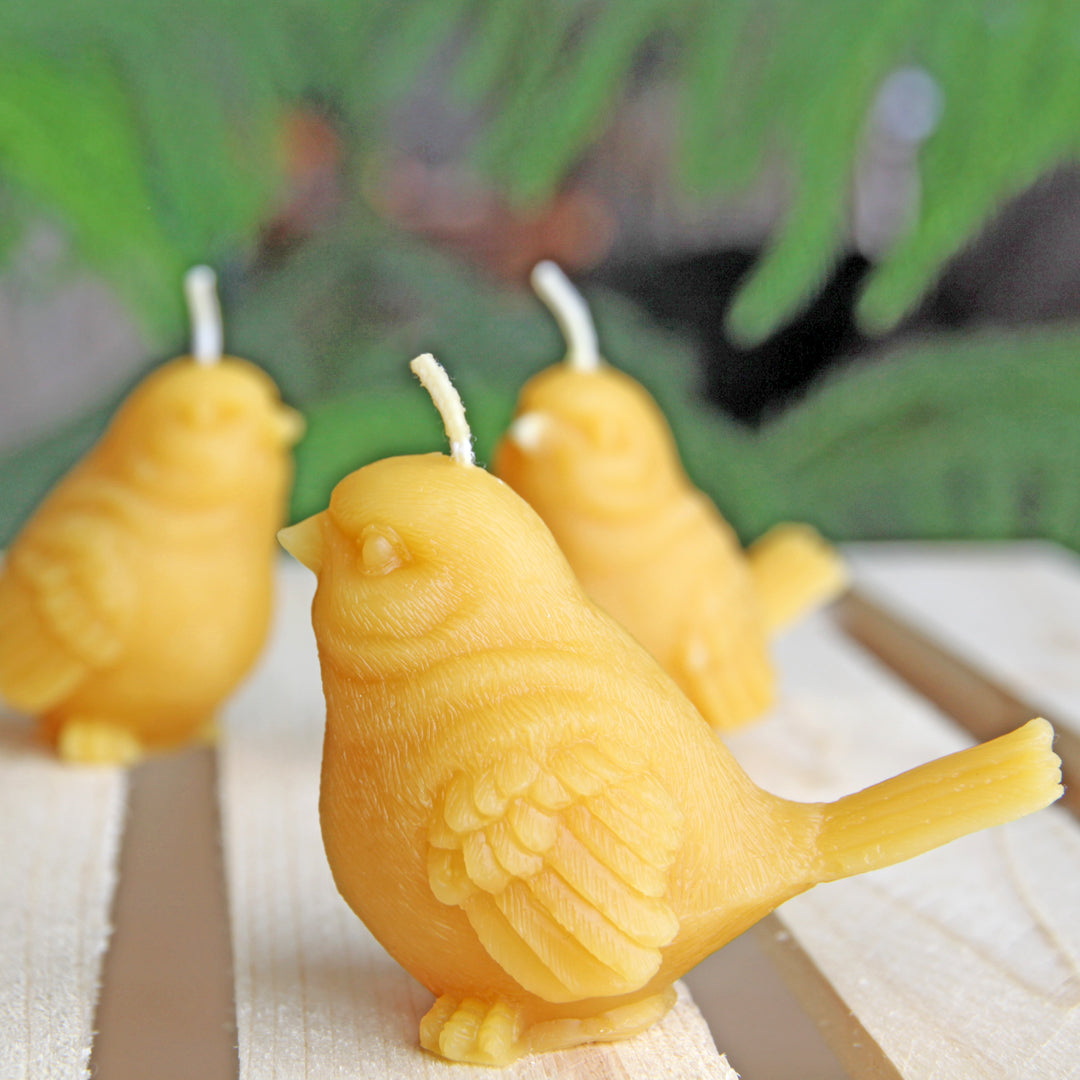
(316, 995)
(1012, 611)
(60, 832)
(962, 963)
(989, 632)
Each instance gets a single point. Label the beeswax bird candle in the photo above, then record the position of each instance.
(592, 453)
(139, 593)
(522, 806)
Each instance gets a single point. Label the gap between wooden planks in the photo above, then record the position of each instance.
(166, 1009)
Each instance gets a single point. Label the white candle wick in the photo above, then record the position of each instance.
(447, 400)
(571, 313)
(206, 335)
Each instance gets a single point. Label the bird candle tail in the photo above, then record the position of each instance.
(926, 807)
(795, 571)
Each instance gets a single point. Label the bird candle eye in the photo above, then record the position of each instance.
(204, 414)
(381, 551)
(606, 433)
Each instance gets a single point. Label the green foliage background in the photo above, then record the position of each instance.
(147, 130)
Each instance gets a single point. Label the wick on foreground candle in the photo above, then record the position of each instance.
(592, 453)
(139, 593)
(522, 806)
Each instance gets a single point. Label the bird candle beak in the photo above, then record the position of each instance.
(304, 542)
(290, 425)
(529, 430)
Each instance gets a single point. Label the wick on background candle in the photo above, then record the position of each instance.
(206, 335)
(436, 382)
(572, 314)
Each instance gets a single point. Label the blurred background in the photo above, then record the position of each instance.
(840, 241)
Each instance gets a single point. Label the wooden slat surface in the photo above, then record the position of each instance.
(59, 837)
(316, 995)
(1011, 610)
(963, 963)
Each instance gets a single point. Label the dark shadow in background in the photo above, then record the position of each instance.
(691, 295)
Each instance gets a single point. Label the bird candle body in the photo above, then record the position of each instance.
(139, 593)
(523, 807)
(594, 456)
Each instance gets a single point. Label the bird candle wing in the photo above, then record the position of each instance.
(561, 868)
(66, 602)
(594, 456)
(523, 807)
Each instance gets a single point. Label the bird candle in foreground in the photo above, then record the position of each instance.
(139, 593)
(592, 453)
(522, 806)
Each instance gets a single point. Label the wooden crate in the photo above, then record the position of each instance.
(963, 963)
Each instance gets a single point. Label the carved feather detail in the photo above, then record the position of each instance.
(561, 868)
(65, 608)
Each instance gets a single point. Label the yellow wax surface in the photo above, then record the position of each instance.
(648, 547)
(139, 593)
(524, 808)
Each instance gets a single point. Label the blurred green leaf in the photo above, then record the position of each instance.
(150, 131)
(947, 438)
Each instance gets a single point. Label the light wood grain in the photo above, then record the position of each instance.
(60, 829)
(963, 963)
(316, 995)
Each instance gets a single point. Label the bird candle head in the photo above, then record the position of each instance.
(411, 545)
(204, 432)
(584, 432)
(204, 428)
(593, 437)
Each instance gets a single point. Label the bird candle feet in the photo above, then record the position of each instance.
(481, 1034)
(139, 593)
(594, 456)
(522, 806)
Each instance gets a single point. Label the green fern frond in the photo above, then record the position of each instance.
(791, 82)
(489, 46)
(949, 438)
(148, 129)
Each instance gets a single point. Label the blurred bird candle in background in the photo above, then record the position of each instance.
(139, 593)
(594, 456)
(522, 806)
